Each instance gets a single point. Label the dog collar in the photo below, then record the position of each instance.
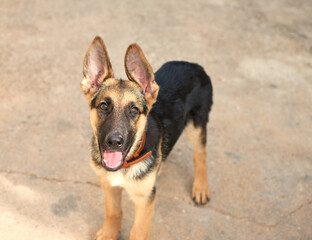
(138, 156)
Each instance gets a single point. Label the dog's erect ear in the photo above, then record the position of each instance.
(96, 67)
(140, 71)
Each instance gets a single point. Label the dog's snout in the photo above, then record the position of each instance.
(115, 141)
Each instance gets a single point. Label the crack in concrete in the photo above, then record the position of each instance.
(226, 213)
(294, 211)
(33, 175)
(244, 218)
(218, 210)
(262, 224)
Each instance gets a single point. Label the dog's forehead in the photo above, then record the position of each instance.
(121, 92)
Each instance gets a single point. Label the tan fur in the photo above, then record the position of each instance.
(98, 48)
(200, 189)
(112, 182)
(100, 74)
(121, 99)
(87, 89)
(138, 136)
(139, 192)
(144, 212)
(113, 212)
(134, 52)
(94, 120)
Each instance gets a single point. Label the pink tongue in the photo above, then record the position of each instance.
(112, 159)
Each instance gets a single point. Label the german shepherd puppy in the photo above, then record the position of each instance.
(135, 125)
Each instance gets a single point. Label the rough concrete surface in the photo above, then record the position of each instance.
(259, 56)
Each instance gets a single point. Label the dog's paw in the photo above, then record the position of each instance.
(200, 193)
(106, 234)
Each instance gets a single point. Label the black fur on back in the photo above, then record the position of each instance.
(185, 95)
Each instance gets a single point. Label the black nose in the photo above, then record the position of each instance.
(115, 141)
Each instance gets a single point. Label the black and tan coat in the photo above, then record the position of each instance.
(158, 107)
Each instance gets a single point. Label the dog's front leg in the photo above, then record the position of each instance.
(144, 198)
(144, 210)
(113, 212)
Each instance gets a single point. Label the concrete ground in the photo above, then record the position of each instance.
(259, 56)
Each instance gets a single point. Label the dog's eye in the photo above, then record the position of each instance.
(103, 106)
(134, 110)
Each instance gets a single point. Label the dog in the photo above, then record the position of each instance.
(136, 123)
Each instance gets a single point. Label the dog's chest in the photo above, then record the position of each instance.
(126, 177)
(117, 179)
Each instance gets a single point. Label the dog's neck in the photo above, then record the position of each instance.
(138, 156)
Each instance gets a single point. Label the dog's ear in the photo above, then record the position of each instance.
(140, 71)
(96, 67)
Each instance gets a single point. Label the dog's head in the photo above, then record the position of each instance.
(118, 108)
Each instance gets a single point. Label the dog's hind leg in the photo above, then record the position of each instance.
(197, 137)
(113, 212)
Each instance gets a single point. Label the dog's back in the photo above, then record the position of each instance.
(185, 96)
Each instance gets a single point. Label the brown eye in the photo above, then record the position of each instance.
(103, 106)
(134, 110)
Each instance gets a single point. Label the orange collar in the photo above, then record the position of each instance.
(136, 157)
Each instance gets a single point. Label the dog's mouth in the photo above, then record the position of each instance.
(113, 160)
